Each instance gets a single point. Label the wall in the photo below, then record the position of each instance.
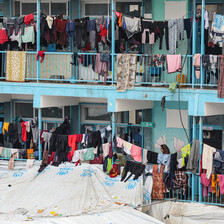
(158, 14)
(6, 8)
(159, 119)
(7, 112)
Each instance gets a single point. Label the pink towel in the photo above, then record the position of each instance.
(136, 153)
(173, 63)
(205, 183)
(120, 142)
(221, 183)
(197, 64)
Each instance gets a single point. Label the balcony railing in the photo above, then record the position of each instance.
(79, 68)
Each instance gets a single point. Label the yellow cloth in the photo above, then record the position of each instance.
(186, 150)
(15, 66)
(5, 127)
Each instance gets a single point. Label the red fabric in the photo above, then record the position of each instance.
(3, 37)
(28, 19)
(60, 26)
(51, 159)
(77, 163)
(41, 139)
(69, 157)
(103, 32)
(24, 133)
(42, 55)
(73, 141)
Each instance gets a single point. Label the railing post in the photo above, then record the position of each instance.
(193, 176)
(202, 41)
(38, 38)
(113, 41)
(193, 41)
(113, 129)
(200, 153)
(39, 129)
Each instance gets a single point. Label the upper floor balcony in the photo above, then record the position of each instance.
(108, 43)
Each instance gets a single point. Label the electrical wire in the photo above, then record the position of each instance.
(179, 99)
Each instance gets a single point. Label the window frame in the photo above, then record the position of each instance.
(94, 3)
(43, 1)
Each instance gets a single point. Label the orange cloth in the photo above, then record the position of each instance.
(119, 20)
(73, 141)
(29, 151)
(214, 184)
(5, 127)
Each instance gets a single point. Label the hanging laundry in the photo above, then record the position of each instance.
(91, 28)
(162, 159)
(106, 148)
(218, 161)
(5, 127)
(136, 153)
(60, 29)
(73, 141)
(46, 138)
(197, 64)
(135, 169)
(192, 165)
(186, 151)
(180, 29)
(217, 29)
(19, 25)
(172, 26)
(187, 27)
(99, 22)
(132, 26)
(3, 36)
(159, 60)
(15, 66)
(207, 159)
(77, 156)
(35, 131)
(81, 32)
(180, 181)
(6, 153)
(205, 183)
(221, 77)
(42, 55)
(213, 187)
(1, 127)
(221, 183)
(174, 63)
(28, 19)
(70, 31)
(152, 157)
(88, 154)
(126, 71)
(158, 188)
(28, 37)
(50, 21)
(101, 67)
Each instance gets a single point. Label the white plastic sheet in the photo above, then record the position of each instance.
(66, 190)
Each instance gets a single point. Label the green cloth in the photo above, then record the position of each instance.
(109, 165)
(89, 154)
(29, 36)
(172, 87)
(6, 153)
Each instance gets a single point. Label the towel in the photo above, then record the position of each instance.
(15, 66)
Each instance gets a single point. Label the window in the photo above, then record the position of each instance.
(23, 110)
(130, 8)
(24, 7)
(96, 9)
(52, 112)
(1, 7)
(58, 9)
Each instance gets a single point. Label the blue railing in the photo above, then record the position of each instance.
(79, 68)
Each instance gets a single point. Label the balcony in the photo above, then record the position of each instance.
(66, 67)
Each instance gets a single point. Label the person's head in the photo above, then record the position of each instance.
(164, 149)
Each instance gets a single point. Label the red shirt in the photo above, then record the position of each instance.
(3, 37)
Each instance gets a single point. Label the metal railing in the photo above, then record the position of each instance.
(80, 68)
